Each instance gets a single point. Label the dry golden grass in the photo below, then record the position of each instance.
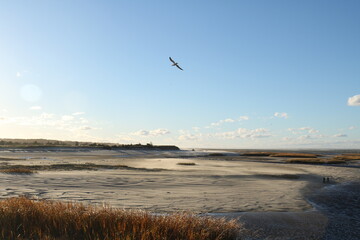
(22, 218)
(316, 160)
(280, 154)
(296, 155)
(17, 170)
(348, 157)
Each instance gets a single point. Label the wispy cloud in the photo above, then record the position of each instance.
(281, 115)
(309, 129)
(314, 136)
(228, 120)
(46, 115)
(245, 133)
(50, 121)
(354, 100)
(188, 137)
(185, 135)
(35, 108)
(340, 135)
(196, 129)
(302, 130)
(78, 113)
(243, 118)
(155, 132)
(67, 118)
(86, 128)
(352, 127)
(18, 74)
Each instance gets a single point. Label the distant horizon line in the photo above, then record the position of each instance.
(190, 148)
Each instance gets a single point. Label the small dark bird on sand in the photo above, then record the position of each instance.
(175, 64)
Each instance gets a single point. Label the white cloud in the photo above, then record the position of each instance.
(302, 130)
(86, 128)
(83, 120)
(67, 118)
(46, 115)
(196, 129)
(188, 137)
(18, 74)
(50, 122)
(354, 100)
(228, 120)
(245, 133)
(340, 135)
(78, 113)
(281, 115)
(352, 127)
(159, 131)
(35, 108)
(309, 129)
(307, 136)
(141, 133)
(243, 118)
(156, 132)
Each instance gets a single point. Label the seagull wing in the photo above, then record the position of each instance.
(171, 60)
(179, 67)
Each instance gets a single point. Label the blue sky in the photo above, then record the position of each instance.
(257, 74)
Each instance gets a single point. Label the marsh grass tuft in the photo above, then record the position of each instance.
(186, 163)
(316, 160)
(18, 170)
(348, 157)
(23, 218)
(256, 154)
(295, 155)
(279, 154)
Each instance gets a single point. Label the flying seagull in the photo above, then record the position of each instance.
(175, 64)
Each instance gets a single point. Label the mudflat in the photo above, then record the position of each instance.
(262, 191)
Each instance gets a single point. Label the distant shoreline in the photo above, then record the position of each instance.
(56, 144)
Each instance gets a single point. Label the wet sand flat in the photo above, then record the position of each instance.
(164, 182)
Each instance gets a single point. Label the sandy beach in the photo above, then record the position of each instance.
(272, 198)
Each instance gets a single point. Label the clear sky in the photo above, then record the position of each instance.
(257, 74)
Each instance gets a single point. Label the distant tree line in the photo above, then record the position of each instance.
(23, 143)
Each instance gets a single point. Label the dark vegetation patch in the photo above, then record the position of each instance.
(297, 155)
(18, 170)
(10, 159)
(280, 176)
(52, 145)
(256, 154)
(316, 160)
(73, 167)
(186, 163)
(280, 154)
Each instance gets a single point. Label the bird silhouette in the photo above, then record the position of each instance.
(175, 64)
